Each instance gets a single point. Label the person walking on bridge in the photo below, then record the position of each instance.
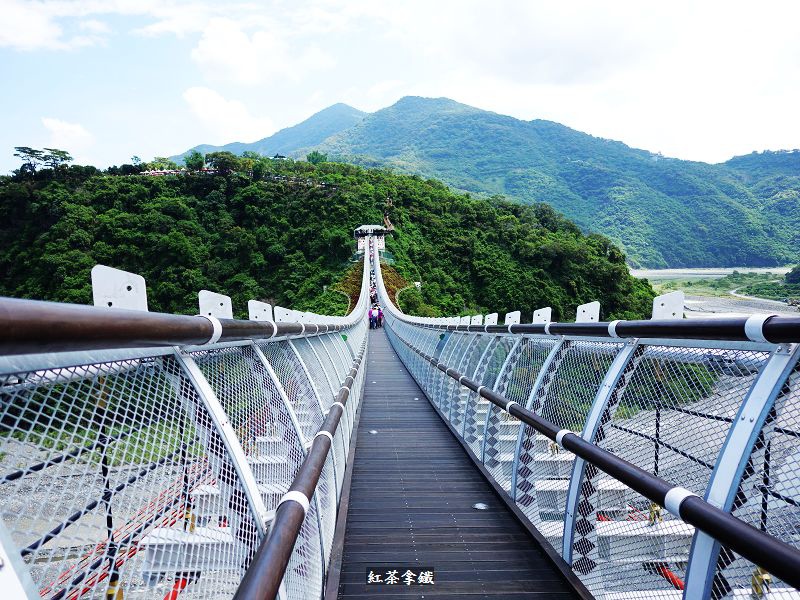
(380, 317)
(373, 315)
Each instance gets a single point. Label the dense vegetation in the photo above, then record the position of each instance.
(787, 289)
(664, 212)
(281, 231)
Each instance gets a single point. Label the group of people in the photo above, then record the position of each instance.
(375, 311)
(375, 317)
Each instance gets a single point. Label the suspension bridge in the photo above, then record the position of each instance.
(303, 456)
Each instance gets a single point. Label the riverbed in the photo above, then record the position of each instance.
(703, 307)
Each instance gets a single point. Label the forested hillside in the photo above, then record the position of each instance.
(664, 212)
(282, 235)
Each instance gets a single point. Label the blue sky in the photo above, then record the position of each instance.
(109, 79)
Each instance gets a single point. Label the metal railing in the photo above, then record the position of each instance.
(591, 429)
(151, 455)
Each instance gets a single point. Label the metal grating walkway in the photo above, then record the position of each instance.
(411, 500)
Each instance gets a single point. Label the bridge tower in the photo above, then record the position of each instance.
(361, 234)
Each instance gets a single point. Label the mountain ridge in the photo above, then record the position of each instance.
(310, 131)
(665, 212)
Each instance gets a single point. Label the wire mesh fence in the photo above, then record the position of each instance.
(108, 466)
(767, 496)
(159, 473)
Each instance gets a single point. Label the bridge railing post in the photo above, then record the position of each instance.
(325, 499)
(544, 379)
(623, 363)
(491, 430)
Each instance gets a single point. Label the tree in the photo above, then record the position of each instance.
(316, 157)
(793, 276)
(260, 167)
(31, 158)
(54, 158)
(194, 161)
(135, 160)
(223, 162)
(161, 163)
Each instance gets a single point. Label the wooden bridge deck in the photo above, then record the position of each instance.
(410, 505)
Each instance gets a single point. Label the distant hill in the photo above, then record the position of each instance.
(665, 212)
(311, 132)
(760, 165)
(284, 233)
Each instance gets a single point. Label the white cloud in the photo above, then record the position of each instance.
(227, 52)
(72, 137)
(225, 120)
(24, 27)
(694, 80)
(27, 26)
(95, 26)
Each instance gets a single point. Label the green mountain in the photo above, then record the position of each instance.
(310, 132)
(284, 234)
(664, 212)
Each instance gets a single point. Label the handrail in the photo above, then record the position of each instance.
(775, 328)
(35, 326)
(759, 328)
(778, 557)
(265, 573)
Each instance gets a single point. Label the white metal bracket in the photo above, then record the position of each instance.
(668, 306)
(259, 311)
(114, 288)
(215, 305)
(543, 315)
(588, 313)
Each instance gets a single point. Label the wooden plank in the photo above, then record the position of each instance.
(411, 498)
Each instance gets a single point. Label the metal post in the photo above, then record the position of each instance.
(334, 355)
(462, 365)
(608, 395)
(262, 360)
(306, 372)
(448, 354)
(483, 361)
(331, 385)
(225, 430)
(733, 457)
(338, 469)
(15, 578)
(511, 359)
(347, 426)
(543, 380)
